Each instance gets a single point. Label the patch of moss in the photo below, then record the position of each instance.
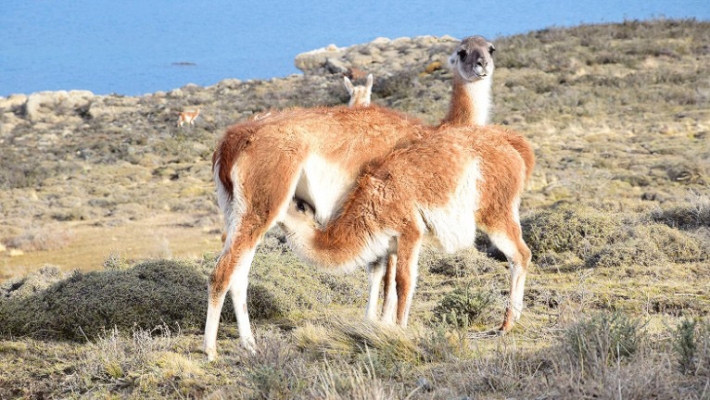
(677, 245)
(631, 252)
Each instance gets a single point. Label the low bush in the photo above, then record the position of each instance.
(463, 307)
(599, 341)
(84, 305)
(569, 228)
(691, 342)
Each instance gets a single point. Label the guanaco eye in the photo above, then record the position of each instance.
(462, 54)
(301, 206)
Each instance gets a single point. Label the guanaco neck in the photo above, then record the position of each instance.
(342, 238)
(470, 102)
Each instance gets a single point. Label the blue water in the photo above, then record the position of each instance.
(134, 47)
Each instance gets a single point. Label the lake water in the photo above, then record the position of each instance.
(135, 47)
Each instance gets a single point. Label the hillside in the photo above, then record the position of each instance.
(617, 216)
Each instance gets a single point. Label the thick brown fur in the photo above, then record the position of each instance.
(347, 137)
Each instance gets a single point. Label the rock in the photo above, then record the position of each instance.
(43, 105)
(315, 59)
(176, 93)
(13, 101)
(335, 66)
(380, 41)
(8, 122)
(360, 60)
(382, 56)
(424, 385)
(229, 84)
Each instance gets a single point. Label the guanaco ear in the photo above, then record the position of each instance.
(452, 60)
(491, 48)
(370, 80)
(454, 57)
(348, 85)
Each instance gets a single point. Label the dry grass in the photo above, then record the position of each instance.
(617, 216)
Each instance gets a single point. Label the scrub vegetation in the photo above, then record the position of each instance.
(110, 229)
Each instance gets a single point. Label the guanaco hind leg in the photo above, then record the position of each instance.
(248, 225)
(408, 246)
(375, 271)
(510, 242)
(389, 307)
(231, 273)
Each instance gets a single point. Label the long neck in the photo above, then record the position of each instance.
(470, 102)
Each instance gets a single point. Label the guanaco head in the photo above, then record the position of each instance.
(300, 227)
(300, 218)
(359, 95)
(472, 59)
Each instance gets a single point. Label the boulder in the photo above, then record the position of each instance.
(13, 101)
(41, 105)
(382, 56)
(314, 60)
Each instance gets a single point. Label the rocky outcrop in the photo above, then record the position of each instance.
(43, 106)
(382, 56)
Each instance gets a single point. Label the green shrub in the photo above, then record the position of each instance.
(400, 85)
(459, 264)
(632, 246)
(463, 307)
(684, 217)
(676, 245)
(691, 342)
(601, 340)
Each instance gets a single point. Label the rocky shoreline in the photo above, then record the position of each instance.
(321, 67)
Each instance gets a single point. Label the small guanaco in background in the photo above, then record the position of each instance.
(188, 117)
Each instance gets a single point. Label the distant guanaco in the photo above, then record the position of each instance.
(188, 117)
(359, 95)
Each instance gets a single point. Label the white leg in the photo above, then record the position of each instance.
(214, 310)
(221, 281)
(238, 290)
(518, 255)
(376, 272)
(519, 275)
